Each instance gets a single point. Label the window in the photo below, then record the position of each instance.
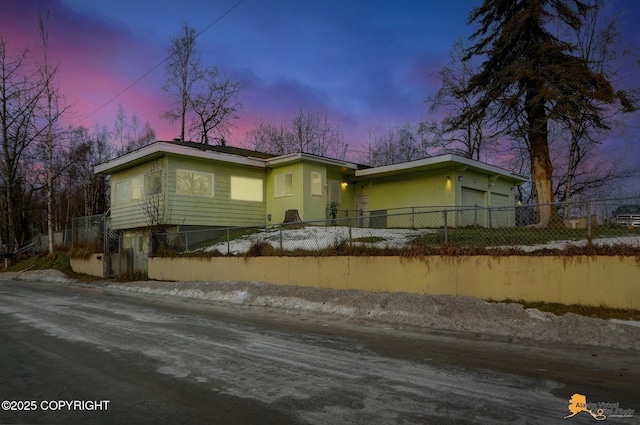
(283, 185)
(316, 184)
(136, 187)
(123, 191)
(246, 189)
(335, 192)
(194, 183)
(153, 183)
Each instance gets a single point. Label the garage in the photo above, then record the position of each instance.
(473, 204)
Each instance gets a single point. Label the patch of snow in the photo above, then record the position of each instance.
(635, 323)
(319, 238)
(54, 276)
(445, 312)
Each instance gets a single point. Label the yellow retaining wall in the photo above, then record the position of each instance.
(610, 281)
(93, 266)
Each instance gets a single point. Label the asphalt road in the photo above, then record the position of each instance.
(76, 354)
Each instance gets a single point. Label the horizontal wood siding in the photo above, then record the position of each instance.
(129, 214)
(219, 210)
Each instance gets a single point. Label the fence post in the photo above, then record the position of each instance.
(350, 236)
(589, 235)
(446, 228)
(228, 243)
(475, 215)
(281, 247)
(186, 241)
(489, 218)
(413, 211)
(120, 255)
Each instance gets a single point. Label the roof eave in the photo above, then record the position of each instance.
(162, 148)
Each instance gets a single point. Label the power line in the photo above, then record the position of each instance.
(160, 64)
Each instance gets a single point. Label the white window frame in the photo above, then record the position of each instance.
(280, 185)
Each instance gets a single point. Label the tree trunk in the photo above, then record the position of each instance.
(541, 167)
(50, 207)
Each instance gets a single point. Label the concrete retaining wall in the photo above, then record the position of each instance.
(610, 281)
(92, 266)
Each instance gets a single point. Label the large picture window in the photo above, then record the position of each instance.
(138, 186)
(153, 183)
(246, 189)
(194, 183)
(283, 185)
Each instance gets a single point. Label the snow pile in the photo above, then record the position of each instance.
(559, 245)
(443, 312)
(54, 276)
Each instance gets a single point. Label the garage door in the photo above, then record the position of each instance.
(473, 213)
(499, 214)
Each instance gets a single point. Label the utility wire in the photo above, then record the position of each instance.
(159, 64)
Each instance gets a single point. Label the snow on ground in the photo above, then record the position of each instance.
(620, 240)
(444, 312)
(319, 238)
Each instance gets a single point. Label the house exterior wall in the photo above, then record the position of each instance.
(219, 209)
(315, 206)
(347, 193)
(394, 190)
(411, 189)
(129, 214)
(277, 205)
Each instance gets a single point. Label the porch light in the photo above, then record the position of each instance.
(345, 184)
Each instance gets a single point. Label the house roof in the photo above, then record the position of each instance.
(214, 152)
(197, 150)
(300, 156)
(224, 149)
(262, 160)
(451, 162)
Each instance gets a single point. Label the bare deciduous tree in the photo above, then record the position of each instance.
(215, 105)
(183, 70)
(308, 132)
(20, 94)
(470, 137)
(400, 144)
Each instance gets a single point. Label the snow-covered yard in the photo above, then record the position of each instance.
(319, 238)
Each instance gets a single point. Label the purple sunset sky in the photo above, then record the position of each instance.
(368, 64)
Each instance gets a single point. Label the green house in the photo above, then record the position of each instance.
(185, 185)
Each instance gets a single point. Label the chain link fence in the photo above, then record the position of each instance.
(606, 222)
(89, 230)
